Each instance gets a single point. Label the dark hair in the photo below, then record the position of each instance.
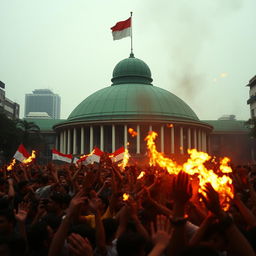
(8, 214)
(60, 198)
(110, 227)
(130, 243)
(199, 251)
(16, 245)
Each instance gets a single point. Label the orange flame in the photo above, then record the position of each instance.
(125, 160)
(125, 197)
(30, 158)
(132, 132)
(87, 154)
(11, 165)
(141, 175)
(169, 125)
(195, 166)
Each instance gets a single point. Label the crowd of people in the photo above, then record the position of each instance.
(100, 209)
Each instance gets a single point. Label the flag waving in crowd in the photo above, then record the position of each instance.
(21, 153)
(56, 155)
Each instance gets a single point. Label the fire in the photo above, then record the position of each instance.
(141, 175)
(30, 158)
(132, 132)
(11, 165)
(195, 166)
(84, 156)
(169, 125)
(125, 160)
(125, 197)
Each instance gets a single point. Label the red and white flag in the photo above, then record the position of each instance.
(122, 29)
(93, 157)
(21, 154)
(118, 155)
(56, 155)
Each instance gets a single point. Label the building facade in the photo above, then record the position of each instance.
(43, 100)
(132, 101)
(10, 108)
(252, 97)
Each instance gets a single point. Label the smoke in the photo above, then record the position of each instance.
(187, 28)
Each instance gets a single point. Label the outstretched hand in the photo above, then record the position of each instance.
(161, 233)
(22, 213)
(79, 246)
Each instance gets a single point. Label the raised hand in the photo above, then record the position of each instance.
(211, 200)
(76, 201)
(79, 246)
(22, 213)
(161, 233)
(181, 189)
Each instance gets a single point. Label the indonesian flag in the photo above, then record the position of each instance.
(122, 29)
(118, 155)
(56, 155)
(93, 157)
(21, 153)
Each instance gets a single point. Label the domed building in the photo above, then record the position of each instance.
(103, 119)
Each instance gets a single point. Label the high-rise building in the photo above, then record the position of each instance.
(252, 100)
(42, 100)
(8, 107)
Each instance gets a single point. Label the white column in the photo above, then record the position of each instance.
(138, 139)
(74, 141)
(56, 141)
(199, 140)
(162, 139)
(172, 140)
(65, 142)
(113, 138)
(189, 138)
(82, 141)
(61, 142)
(150, 128)
(91, 138)
(181, 140)
(68, 146)
(195, 139)
(125, 136)
(102, 137)
(204, 141)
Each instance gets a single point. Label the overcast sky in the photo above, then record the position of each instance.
(204, 51)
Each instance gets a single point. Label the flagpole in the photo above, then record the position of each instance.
(131, 38)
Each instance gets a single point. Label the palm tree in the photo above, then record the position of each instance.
(30, 132)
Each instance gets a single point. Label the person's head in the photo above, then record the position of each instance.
(57, 203)
(199, 251)
(110, 227)
(131, 243)
(39, 236)
(12, 246)
(7, 222)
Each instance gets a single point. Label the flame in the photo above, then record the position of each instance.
(169, 125)
(83, 156)
(125, 197)
(132, 132)
(195, 166)
(11, 165)
(125, 160)
(30, 158)
(141, 175)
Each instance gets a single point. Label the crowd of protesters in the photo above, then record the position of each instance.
(80, 210)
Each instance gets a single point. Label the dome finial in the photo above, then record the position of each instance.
(131, 55)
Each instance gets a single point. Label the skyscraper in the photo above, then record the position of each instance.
(42, 100)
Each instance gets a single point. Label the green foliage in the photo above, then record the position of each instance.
(30, 133)
(10, 137)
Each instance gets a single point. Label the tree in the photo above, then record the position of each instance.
(10, 137)
(30, 133)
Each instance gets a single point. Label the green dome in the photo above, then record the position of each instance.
(132, 102)
(131, 70)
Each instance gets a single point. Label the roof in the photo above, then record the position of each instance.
(45, 124)
(131, 70)
(228, 125)
(132, 101)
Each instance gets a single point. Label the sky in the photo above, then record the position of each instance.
(203, 51)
